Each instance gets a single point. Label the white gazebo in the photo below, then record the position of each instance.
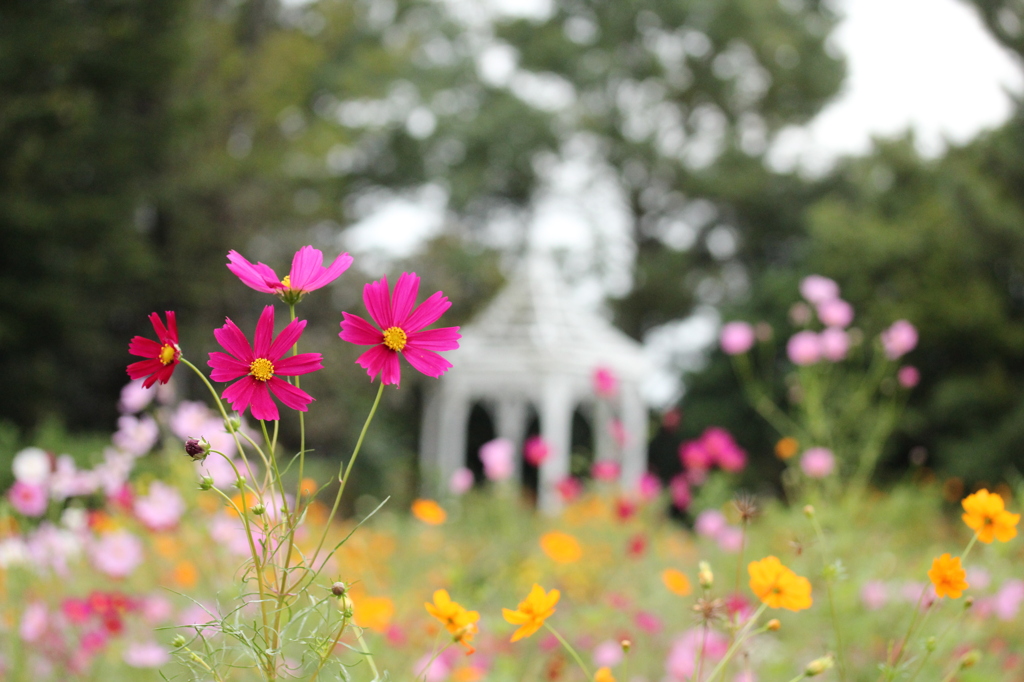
(533, 347)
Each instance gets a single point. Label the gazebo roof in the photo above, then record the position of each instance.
(532, 328)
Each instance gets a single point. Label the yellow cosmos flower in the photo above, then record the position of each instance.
(778, 586)
(532, 611)
(948, 576)
(986, 514)
(429, 512)
(455, 618)
(561, 547)
(676, 582)
(374, 613)
(604, 675)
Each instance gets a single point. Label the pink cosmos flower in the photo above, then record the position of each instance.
(835, 313)
(461, 481)
(874, 595)
(146, 655)
(608, 654)
(681, 662)
(569, 489)
(618, 432)
(908, 376)
(710, 523)
(536, 450)
(401, 330)
(835, 343)
(679, 489)
(804, 348)
(136, 435)
(1009, 599)
(818, 462)
(134, 397)
(648, 622)
(28, 499)
(722, 449)
(606, 383)
(496, 456)
(817, 289)
(117, 553)
(162, 355)
(694, 456)
(161, 507)
(257, 367)
(736, 338)
(605, 470)
(649, 487)
(307, 273)
(899, 339)
(34, 621)
(730, 539)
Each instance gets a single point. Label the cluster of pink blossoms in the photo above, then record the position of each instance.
(256, 368)
(715, 447)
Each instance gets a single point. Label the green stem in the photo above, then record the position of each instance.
(799, 677)
(826, 558)
(906, 638)
(366, 650)
(740, 639)
(572, 652)
(970, 545)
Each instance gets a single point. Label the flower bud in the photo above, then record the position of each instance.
(197, 449)
(206, 483)
(704, 575)
(809, 511)
(774, 625)
(626, 645)
(970, 658)
(233, 423)
(819, 665)
(258, 509)
(339, 589)
(178, 641)
(930, 644)
(346, 606)
(968, 602)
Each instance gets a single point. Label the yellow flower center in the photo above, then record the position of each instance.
(261, 369)
(395, 338)
(167, 354)
(287, 282)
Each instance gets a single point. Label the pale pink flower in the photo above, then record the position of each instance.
(117, 553)
(710, 523)
(157, 609)
(908, 376)
(730, 539)
(681, 662)
(536, 450)
(723, 449)
(1009, 599)
(804, 348)
(569, 489)
(899, 339)
(436, 670)
(190, 419)
(648, 622)
(229, 532)
(736, 338)
(617, 430)
(835, 313)
(874, 595)
(496, 456)
(608, 654)
(817, 289)
(649, 487)
(606, 382)
(28, 499)
(461, 482)
(134, 397)
(34, 622)
(605, 470)
(161, 507)
(50, 547)
(68, 481)
(32, 466)
(694, 456)
(146, 655)
(136, 435)
(818, 462)
(835, 343)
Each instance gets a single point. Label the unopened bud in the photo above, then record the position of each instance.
(197, 448)
(809, 511)
(178, 641)
(970, 658)
(774, 625)
(704, 575)
(346, 606)
(233, 423)
(819, 665)
(258, 509)
(339, 588)
(968, 602)
(206, 483)
(626, 645)
(930, 644)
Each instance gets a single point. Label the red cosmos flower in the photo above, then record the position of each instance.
(307, 273)
(401, 333)
(259, 365)
(163, 355)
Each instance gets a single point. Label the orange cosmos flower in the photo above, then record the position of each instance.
(561, 547)
(455, 618)
(778, 586)
(604, 675)
(985, 514)
(429, 512)
(786, 447)
(532, 611)
(948, 576)
(676, 582)
(374, 613)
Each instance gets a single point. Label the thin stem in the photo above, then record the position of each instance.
(825, 556)
(703, 646)
(740, 638)
(437, 652)
(967, 549)
(799, 677)
(366, 651)
(572, 652)
(199, 659)
(327, 652)
(906, 638)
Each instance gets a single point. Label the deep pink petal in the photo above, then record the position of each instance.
(330, 273)
(391, 372)
(146, 348)
(355, 329)
(163, 375)
(292, 397)
(264, 333)
(158, 326)
(378, 302)
(426, 361)
(172, 327)
(286, 339)
(257, 276)
(406, 289)
(373, 360)
(294, 365)
(143, 368)
(443, 338)
(239, 394)
(306, 265)
(427, 313)
(226, 367)
(263, 406)
(231, 338)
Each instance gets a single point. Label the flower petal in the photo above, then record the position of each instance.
(143, 368)
(294, 365)
(226, 367)
(147, 348)
(306, 265)
(442, 338)
(239, 394)
(427, 313)
(263, 406)
(406, 289)
(172, 326)
(391, 372)
(373, 360)
(256, 276)
(426, 361)
(331, 273)
(231, 338)
(293, 397)
(355, 329)
(286, 339)
(378, 302)
(264, 333)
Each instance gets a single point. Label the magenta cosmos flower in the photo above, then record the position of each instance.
(161, 355)
(307, 273)
(258, 366)
(403, 331)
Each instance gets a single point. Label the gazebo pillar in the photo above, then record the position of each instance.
(453, 421)
(634, 451)
(556, 407)
(510, 423)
